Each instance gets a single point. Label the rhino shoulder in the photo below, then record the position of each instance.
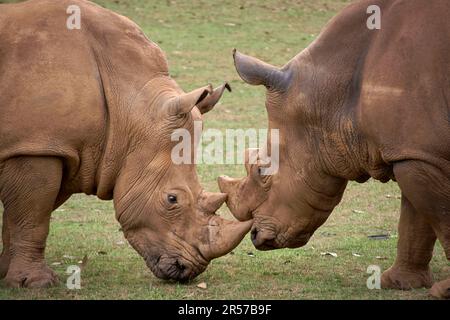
(117, 35)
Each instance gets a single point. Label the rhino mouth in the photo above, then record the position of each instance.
(266, 235)
(174, 268)
(263, 240)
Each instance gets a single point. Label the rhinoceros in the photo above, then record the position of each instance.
(91, 110)
(357, 103)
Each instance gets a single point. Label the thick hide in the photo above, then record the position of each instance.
(358, 104)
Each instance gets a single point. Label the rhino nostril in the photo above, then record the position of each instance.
(180, 266)
(254, 234)
(263, 240)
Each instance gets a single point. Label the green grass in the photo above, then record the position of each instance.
(198, 37)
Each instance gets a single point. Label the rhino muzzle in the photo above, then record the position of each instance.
(175, 268)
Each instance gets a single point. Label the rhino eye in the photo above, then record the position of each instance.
(259, 171)
(172, 199)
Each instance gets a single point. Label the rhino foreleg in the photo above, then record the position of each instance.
(414, 251)
(4, 257)
(29, 187)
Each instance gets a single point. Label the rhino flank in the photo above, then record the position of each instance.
(92, 111)
(356, 104)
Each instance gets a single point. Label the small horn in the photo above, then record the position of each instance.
(257, 72)
(210, 202)
(209, 102)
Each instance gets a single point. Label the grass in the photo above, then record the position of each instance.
(198, 37)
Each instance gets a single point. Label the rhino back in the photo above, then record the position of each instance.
(60, 89)
(405, 83)
(389, 86)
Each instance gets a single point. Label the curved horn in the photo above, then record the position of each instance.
(184, 103)
(224, 236)
(256, 72)
(209, 102)
(232, 187)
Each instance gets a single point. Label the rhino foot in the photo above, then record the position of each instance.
(401, 279)
(441, 289)
(32, 277)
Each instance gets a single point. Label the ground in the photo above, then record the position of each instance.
(198, 38)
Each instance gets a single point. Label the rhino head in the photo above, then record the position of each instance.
(288, 206)
(164, 212)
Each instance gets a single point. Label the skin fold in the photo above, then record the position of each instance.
(92, 111)
(358, 104)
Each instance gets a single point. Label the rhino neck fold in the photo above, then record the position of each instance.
(127, 104)
(334, 64)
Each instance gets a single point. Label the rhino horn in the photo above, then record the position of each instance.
(210, 101)
(210, 202)
(185, 102)
(256, 72)
(232, 187)
(224, 236)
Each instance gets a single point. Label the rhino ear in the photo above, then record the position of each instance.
(184, 103)
(210, 101)
(256, 72)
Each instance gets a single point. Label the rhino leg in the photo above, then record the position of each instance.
(414, 252)
(441, 289)
(29, 187)
(4, 257)
(426, 186)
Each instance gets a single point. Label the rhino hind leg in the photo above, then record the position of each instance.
(427, 187)
(414, 252)
(4, 257)
(441, 289)
(29, 187)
